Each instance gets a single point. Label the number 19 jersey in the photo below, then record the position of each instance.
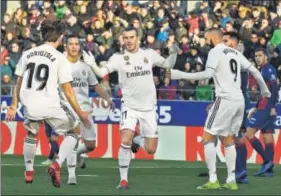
(42, 68)
(227, 63)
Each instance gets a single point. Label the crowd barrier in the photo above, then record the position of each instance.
(180, 132)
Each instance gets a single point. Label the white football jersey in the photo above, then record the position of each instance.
(228, 64)
(83, 78)
(136, 78)
(43, 68)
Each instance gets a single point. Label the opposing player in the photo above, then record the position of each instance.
(231, 40)
(83, 79)
(224, 64)
(134, 66)
(40, 72)
(262, 117)
(52, 137)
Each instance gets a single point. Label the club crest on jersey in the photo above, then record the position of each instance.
(145, 60)
(126, 58)
(84, 73)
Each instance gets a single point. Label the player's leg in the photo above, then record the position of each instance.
(127, 126)
(267, 133)
(29, 148)
(65, 120)
(241, 159)
(212, 128)
(52, 137)
(148, 126)
(89, 137)
(253, 124)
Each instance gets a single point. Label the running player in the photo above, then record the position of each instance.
(134, 66)
(83, 79)
(224, 64)
(262, 117)
(40, 72)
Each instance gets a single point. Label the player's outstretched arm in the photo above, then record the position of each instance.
(90, 60)
(12, 110)
(71, 98)
(180, 75)
(104, 95)
(169, 62)
(263, 87)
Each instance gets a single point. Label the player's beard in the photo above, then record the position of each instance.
(211, 44)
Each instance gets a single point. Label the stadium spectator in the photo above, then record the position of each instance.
(167, 91)
(6, 85)
(160, 23)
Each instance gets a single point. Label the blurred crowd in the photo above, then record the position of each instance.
(160, 24)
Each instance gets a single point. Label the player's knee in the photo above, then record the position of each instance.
(268, 138)
(53, 138)
(90, 145)
(250, 133)
(150, 150)
(207, 137)
(127, 137)
(31, 135)
(228, 141)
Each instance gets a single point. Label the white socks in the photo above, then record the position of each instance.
(124, 159)
(139, 140)
(66, 147)
(230, 159)
(71, 163)
(81, 149)
(210, 156)
(29, 151)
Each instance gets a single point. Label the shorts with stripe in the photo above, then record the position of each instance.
(225, 117)
(61, 119)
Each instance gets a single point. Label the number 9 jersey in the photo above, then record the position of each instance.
(227, 63)
(43, 69)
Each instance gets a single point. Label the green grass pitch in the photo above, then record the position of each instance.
(146, 177)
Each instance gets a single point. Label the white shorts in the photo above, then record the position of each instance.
(147, 121)
(62, 120)
(88, 134)
(225, 117)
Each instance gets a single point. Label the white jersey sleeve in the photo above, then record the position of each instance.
(64, 71)
(245, 63)
(213, 59)
(158, 60)
(92, 78)
(113, 63)
(21, 66)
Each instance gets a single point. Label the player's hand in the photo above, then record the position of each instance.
(174, 49)
(266, 94)
(89, 58)
(11, 113)
(273, 112)
(209, 107)
(111, 105)
(251, 112)
(84, 117)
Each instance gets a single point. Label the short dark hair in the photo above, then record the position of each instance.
(131, 28)
(213, 29)
(232, 35)
(52, 32)
(262, 50)
(71, 36)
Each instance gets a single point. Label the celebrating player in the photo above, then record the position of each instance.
(263, 116)
(134, 67)
(231, 40)
(224, 64)
(83, 78)
(40, 72)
